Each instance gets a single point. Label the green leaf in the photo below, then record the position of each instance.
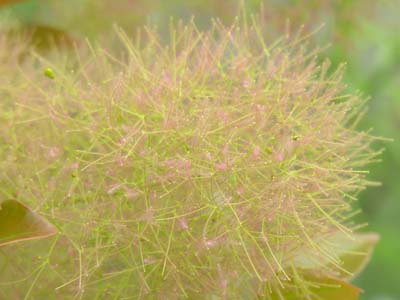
(330, 288)
(357, 254)
(352, 254)
(19, 223)
(314, 287)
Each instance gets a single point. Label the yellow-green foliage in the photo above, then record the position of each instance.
(202, 167)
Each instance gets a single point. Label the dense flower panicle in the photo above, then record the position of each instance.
(199, 168)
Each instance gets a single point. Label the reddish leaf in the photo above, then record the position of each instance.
(46, 37)
(42, 38)
(19, 223)
(6, 2)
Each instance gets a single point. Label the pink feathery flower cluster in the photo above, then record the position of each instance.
(217, 165)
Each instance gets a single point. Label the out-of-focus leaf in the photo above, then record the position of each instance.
(40, 39)
(315, 287)
(45, 37)
(353, 254)
(19, 223)
(358, 253)
(309, 285)
(6, 2)
(333, 288)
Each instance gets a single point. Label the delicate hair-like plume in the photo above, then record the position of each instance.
(217, 165)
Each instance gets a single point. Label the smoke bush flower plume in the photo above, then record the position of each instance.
(217, 165)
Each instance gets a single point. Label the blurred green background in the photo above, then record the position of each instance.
(363, 33)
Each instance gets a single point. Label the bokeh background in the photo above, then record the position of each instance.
(363, 33)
